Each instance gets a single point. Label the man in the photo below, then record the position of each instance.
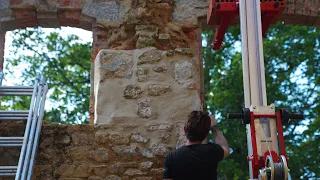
(197, 161)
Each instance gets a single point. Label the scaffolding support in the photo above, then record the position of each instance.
(252, 61)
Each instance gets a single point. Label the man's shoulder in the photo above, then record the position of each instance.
(213, 145)
(176, 151)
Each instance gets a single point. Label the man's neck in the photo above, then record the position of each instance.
(192, 142)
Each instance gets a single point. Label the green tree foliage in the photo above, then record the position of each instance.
(65, 63)
(292, 67)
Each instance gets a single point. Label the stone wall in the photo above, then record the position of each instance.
(147, 85)
(94, 152)
(114, 22)
(146, 76)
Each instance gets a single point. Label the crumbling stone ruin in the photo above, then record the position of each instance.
(146, 76)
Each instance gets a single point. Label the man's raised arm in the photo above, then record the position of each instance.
(219, 138)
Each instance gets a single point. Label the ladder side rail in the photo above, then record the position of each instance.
(38, 131)
(31, 135)
(26, 133)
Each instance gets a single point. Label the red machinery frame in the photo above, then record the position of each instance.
(259, 162)
(223, 13)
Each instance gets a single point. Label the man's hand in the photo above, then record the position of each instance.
(220, 139)
(213, 121)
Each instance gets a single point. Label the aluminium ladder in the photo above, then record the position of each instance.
(33, 118)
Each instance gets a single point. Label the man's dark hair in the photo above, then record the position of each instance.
(197, 126)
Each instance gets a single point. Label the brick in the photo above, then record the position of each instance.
(26, 17)
(64, 2)
(69, 17)
(15, 2)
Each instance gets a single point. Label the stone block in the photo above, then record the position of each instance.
(102, 136)
(165, 137)
(159, 149)
(156, 171)
(164, 38)
(63, 140)
(146, 165)
(184, 51)
(159, 127)
(145, 152)
(123, 151)
(82, 171)
(106, 10)
(129, 164)
(183, 70)
(43, 171)
(78, 152)
(115, 65)
(142, 74)
(134, 172)
(80, 139)
(158, 89)
(150, 57)
(150, 31)
(143, 178)
(138, 138)
(144, 108)
(189, 10)
(146, 35)
(95, 178)
(67, 170)
(144, 41)
(112, 177)
(132, 92)
(99, 170)
(160, 68)
(118, 138)
(115, 168)
(99, 155)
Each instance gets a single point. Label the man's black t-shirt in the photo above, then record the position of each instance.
(193, 162)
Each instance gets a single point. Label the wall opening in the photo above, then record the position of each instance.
(63, 55)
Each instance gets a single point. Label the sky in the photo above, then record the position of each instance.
(86, 36)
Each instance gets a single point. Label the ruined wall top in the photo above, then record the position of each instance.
(83, 13)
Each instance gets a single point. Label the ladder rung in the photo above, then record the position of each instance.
(7, 174)
(16, 90)
(4, 112)
(8, 167)
(13, 118)
(3, 88)
(11, 142)
(15, 93)
(8, 170)
(14, 115)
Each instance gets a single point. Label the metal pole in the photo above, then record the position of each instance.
(2, 44)
(252, 60)
(26, 133)
(38, 130)
(32, 132)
